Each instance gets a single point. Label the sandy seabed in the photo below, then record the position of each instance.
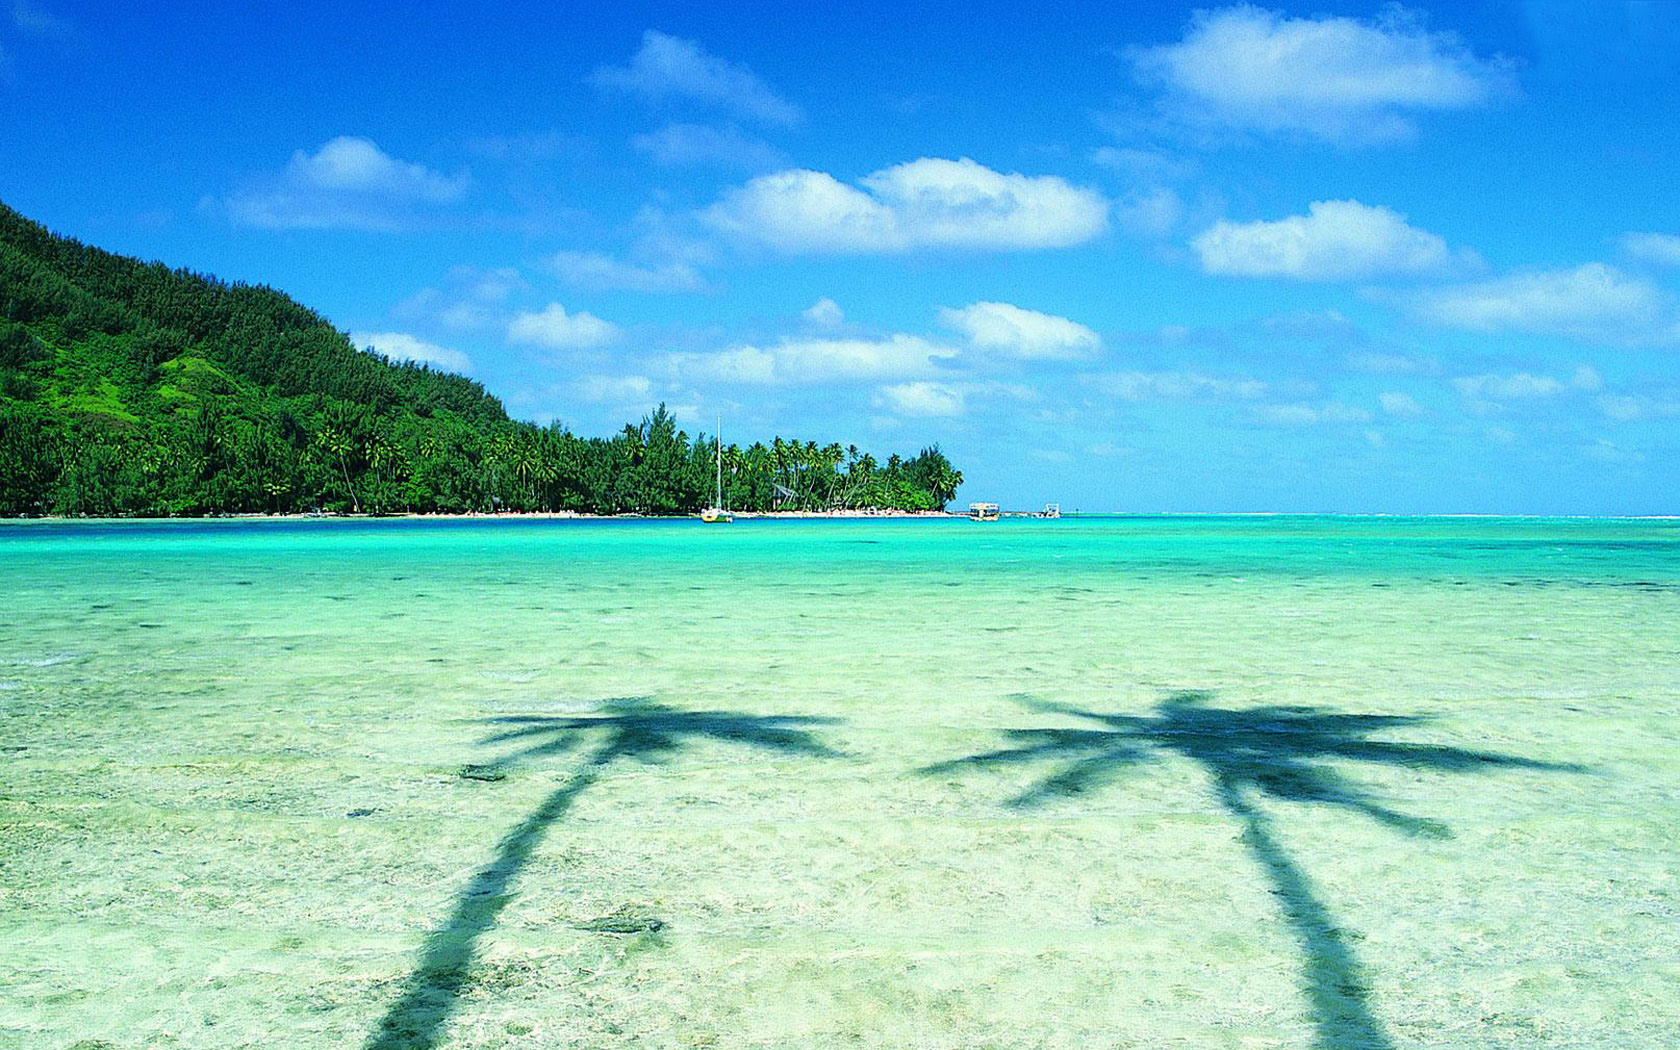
(908, 784)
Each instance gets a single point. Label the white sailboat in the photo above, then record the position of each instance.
(715, 514)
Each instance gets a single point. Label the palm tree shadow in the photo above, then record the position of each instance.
(630, 728)
(1273, 751)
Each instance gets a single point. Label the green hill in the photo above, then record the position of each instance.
(129, 388)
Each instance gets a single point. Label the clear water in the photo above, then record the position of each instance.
(1257, 782)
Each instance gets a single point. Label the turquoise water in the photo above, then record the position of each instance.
(1252, 782)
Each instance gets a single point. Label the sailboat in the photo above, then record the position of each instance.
(715, 514)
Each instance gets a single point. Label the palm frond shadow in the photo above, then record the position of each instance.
(627, 728)
(1274, 751)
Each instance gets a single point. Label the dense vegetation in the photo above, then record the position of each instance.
(128, 388)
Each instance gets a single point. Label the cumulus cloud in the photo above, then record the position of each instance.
(669, 67)
(701, 145)
(1335, 79)
(1334, 241)
(556, 329)
(1660, 248)
(922, 398)
(596, 272)
(824, 313)
(926, 203)
(349, 182)
(816, 361)
(401, 346)
(1593, 302)
(1012, 330)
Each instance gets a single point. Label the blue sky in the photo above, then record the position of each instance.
(1345, 257)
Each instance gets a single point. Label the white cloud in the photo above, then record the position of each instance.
(1021, 333)
(922, 398)
(401, 346)
(1334, 79)
(695, 145)
(348, 182)
(596, 272)
(669, 67)
(1302, 414)
(1176, 386)
(556, 329)
(348, 163)
(824, 313)
(1592, 302)
(816, 361)
(614, 389)
(926, 203)
(1660, 248)
(1334, 241)
(1401, 405)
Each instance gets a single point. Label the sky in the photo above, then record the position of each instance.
(1146, 257)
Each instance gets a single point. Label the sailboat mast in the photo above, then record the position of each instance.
(719, 503)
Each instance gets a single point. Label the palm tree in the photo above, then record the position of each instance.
(381, 454)
(1250, 754)
(632, 728)
(337, 443)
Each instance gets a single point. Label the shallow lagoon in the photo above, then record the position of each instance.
(1253, 782)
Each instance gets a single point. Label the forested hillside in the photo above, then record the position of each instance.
(128, 388)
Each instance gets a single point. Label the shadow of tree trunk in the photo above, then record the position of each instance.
(433, 989)
(634, 728)
(1335, 983)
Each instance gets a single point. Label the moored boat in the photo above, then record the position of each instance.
(715, 514)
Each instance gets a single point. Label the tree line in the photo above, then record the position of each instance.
(131, 389)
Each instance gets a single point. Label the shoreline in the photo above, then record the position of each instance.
(842, 515)
(545, 515)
